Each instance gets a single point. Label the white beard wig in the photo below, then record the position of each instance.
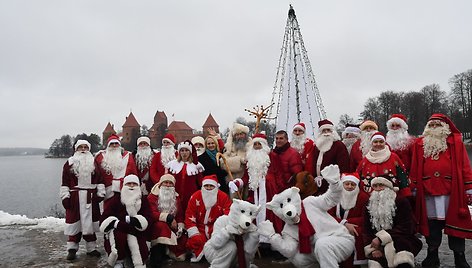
(200, 151)
(324, 141)
(366, 143)
(298, 142)
(167, 200)
(167, 154)
(435, 140)
(144, 157)
(349, 142)
(382, 208)
(258, 162)
(240, 144)
(349, 198)
(113, 160)
(131, 198)
(83, 163)
(398, 139)
(209, 197)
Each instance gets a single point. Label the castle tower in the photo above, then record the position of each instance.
(181, 131)
(131, 132)
(158, 129)
(109, 130)
(210, 123)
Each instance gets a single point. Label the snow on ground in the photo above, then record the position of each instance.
(47, 224)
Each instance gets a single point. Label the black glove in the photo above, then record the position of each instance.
(169, 218)
(110, 226)
(66, 203)
(135, 222)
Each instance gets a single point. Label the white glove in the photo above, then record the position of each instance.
(266, 229)
(180, 230)
(234, 185)
(331, 174)
(101, 190)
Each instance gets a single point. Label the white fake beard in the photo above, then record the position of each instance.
(113, 160)
(366, 143)
(209, 197)
(83, 163)
(435, 140)
(398, 139)
(258, 162)
(240, 144)
(298, 142)
(349, 142)
(167, 200)
(324, 141)
(349, 198)
(131, 198)
(167, 154)
(200, 151)
(143, 157)
(382, 209)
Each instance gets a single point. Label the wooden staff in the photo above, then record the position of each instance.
(220, 155)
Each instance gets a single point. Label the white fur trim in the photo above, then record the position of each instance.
(114, 140)
(82, 142)
(185, 145)
(383, 181)
(373, 264)
(101, 190)
(377, 137)
(397, 120)
(107, 222)
(172, 240)
(192, 231)
(353, 130)
(143, 138)
(389, 251)
(384, 237)
(134, 249)
(238, 128)
(404, 257)
(350, 178)
(326, 126)
(260, 140)
(64, 192)
(143, 221)
(131, 178)
(163, 216)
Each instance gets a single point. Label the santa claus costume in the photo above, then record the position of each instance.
(399, 140)
(187, 172)
(114, 164)
(328, 150)
(350, 211)
(168, 221)
(204, 207)
(350, 135)
(236, 147)
(361, 147)
(81, 191)
(143, 157)
(386, 164)
(301, 142)
(389, 234)
(441, 171)
(162, 158)
(125, 222)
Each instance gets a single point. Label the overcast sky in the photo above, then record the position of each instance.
(68, 67)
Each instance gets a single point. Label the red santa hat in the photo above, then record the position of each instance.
(81, 142)
(166, 177)
(238, 128)
(445, 119)
(113, 138)
(325, 124)
(353, 177)
(260, 137)
(131, 178)
(198, 139)
(385, 181)
(170, 138)
(377, 135)
(399, 119)
(367, 123)
(145, 139)
(300, 125)
(210, 179)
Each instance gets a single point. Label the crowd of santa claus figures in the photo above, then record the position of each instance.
(359, 200)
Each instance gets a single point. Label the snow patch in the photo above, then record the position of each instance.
(48, 224)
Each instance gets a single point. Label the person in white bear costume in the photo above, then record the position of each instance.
(235, 238)
(310, 234)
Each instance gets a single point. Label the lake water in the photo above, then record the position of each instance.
(30, 185)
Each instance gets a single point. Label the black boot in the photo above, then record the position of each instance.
(432, 259)
(72, 254)
(157, 255)
(459, 260)
(404, 265)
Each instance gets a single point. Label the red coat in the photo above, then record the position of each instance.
(458, 219)
(70, 183)
(109, 178)
(392, 168)
(355, 216)
(337, 155)
(161, 231)
(187, 179)
(307, 149)
(282, 167)
(157, 169)
(356, 156)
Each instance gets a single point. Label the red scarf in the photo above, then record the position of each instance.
(305, 232)
(240, 250)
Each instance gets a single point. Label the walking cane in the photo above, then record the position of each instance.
(220, 155)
